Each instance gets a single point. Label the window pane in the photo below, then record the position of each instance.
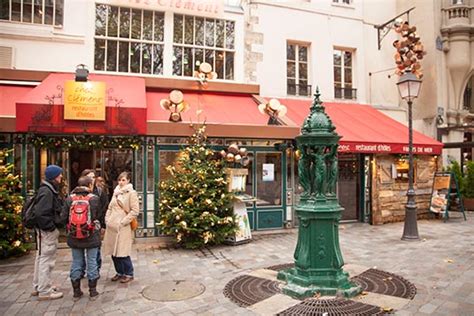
(269, 183)
(136, 23)
(220, 29)
(229, 66)
(124, 23)
(290, 69)
(337, 74)
(198, 57)
(337, 57)
(150, 184)
(188, 61)
(158, 59)
(58, 17)
(347, 75)
(99, 54)
(148, 25)
(38, 11)
(124, 55)
(113, 22)
(209, 57)
(166, 159)
(302, 53)
(303, 71)
(100, 19)
(290, 86)
(219, 64)
(188, 30)
(290, 52)
(178, 29)
(135, 57)
(27, 7)
(177, 60)
(111, 56)
(348, 59)
(48, 12)
(159, 26)
(303, 87)
(229, 34)
(210, 32)
(4, 10)
(16, 10)
(199, 26)
(146, 58)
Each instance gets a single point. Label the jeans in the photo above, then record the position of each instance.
(123, 266)
(45, 260)
(79, 256)
(99, 263)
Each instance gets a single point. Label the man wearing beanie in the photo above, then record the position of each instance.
(48, 211)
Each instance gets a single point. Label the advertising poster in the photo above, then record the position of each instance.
(440, 194)
(268, 172)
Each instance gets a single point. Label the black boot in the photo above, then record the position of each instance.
(93, 289)
(76, 286)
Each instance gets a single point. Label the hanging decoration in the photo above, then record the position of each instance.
(410, 50)
(205, 73)
(85, 142)
(274, 109)
(175, 104)
(235, 156)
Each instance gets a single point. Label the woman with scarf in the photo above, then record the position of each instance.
(123, 208)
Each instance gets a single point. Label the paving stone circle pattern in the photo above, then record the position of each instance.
(177, 290)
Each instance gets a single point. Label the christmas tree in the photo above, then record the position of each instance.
(12, 234)
(195, 205)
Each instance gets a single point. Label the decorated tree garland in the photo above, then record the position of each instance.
(195, 205)
(85, 142)
(12, 233)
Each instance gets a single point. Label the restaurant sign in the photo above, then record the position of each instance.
(209, 8)
(84, 100)
(381, 148)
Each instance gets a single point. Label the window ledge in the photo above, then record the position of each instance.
(342, 5)
(34, 32)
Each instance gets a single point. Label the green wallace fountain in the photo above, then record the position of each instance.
(318, 259)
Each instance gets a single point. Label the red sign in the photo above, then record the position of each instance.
(369, 148)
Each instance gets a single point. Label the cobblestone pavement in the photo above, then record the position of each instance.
(441, 266)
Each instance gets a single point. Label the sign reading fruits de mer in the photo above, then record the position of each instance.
(84, 100)
(209, 8)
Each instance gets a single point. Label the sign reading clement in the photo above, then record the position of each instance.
(84, 100)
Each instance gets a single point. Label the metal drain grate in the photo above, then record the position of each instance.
(338, 306)
(283, 266)
(386, 283)
(247, 290)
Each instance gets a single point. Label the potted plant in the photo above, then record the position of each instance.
(468, 186)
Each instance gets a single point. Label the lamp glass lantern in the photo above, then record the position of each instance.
(409, 86)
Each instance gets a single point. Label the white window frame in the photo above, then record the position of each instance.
(343, 73)
(297, 68)
(43, 10)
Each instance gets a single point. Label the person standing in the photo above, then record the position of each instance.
(48, 218)
(83, 235)
(123, 208)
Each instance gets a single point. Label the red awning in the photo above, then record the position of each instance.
(42, 109)
(364, 129)
(214, 108)
(9, 95)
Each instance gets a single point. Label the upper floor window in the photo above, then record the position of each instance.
(197, 40)
(297, 70)
(343, 85)
(342, 1)
(46, 12)
(128, 40)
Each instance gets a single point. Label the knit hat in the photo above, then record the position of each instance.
(52, 171)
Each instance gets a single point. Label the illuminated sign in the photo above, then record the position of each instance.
(84, 101)
(210, 8)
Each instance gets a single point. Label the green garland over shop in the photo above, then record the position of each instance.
(85, 141)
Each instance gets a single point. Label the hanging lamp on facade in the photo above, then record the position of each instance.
(175, 104)
(274, 109)
(205, 73)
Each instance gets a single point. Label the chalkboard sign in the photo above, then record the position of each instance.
(445, 196)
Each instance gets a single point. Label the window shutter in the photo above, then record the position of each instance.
(6, 57)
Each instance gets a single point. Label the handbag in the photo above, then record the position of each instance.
(134, 222)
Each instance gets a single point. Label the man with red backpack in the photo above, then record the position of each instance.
(82, 213)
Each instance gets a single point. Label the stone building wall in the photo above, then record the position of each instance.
(253, 42)
(389, 195)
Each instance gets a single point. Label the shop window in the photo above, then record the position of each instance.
(297, 70)
(269, 179)
(166, 158)
(343, 85)
(128, 40)
(44, 12)
(400, 170)
(197, 40)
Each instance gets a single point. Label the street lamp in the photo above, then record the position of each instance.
(409, 88)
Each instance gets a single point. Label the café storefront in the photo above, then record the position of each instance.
(136, 135)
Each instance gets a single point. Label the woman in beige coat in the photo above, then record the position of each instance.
(118, 234)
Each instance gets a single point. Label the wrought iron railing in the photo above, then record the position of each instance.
(298, 89)
(345, 93)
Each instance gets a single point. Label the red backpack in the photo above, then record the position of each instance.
(80, 223)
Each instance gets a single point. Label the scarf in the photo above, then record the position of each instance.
(125, 189)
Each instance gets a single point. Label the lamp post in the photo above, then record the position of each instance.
(409, 88)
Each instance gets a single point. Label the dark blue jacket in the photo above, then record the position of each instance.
(93, 240)
(48, 206)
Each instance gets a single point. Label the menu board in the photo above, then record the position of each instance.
(440, 193)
